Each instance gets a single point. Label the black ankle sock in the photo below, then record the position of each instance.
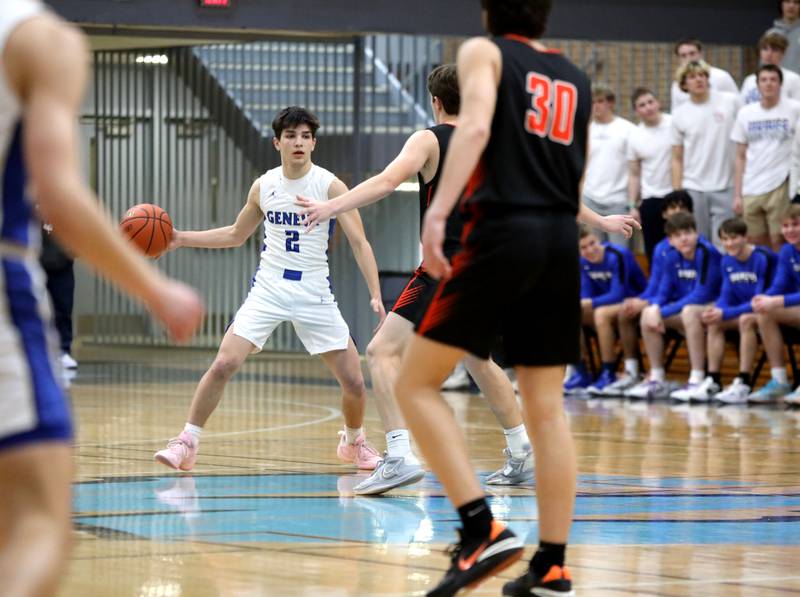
(716, 377)
(745, 377)
(476, 517)
(547, 556)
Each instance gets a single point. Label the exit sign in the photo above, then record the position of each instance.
(216, 3)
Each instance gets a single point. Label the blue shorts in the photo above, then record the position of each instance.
(33, 404)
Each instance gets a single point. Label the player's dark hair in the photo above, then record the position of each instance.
(292, 117)
(770, 68)
(688, 41)
(677, 199)
(522, 17)
(639, 92)
(443, 83)
(679, 222)
(584, 231)
(733, 227)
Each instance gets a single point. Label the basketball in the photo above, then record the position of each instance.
(149, 227)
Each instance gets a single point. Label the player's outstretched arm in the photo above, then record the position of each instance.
(227, 236)
(353, 228)
(415, 153)
(46, 61)
(624, 224)
(479, 67)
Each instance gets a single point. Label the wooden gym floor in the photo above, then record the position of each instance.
(672, 499)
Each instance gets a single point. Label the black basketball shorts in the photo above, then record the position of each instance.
(416, 296)
(516, 277)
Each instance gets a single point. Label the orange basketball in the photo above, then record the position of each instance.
(149, 227)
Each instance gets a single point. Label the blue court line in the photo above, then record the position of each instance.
(265, 508)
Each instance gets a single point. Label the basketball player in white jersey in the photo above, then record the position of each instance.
(291, 284)
(42, 81)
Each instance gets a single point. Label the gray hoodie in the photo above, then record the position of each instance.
(792, 32)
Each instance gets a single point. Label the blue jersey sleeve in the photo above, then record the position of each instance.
(666, 281)
(586, 283)
(616, 290)
(784, 280)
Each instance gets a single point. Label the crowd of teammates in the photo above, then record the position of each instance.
(699, 293)
(731, 156)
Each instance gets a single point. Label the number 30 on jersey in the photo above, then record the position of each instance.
(553, 106)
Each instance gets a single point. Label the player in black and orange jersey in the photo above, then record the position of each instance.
(423, 156)
(522, 133)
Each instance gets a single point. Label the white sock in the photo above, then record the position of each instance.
(779, 374)
(697, 376)
(657, 374)
(569, 372)
(194, 430)
(517, 441)
(398, 445)
(350, 434)
(632, 367)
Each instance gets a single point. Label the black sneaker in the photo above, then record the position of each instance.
(557, 582)
(471, 565)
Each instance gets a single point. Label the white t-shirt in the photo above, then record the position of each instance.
(704, 131)
(790, 88)
(718, 79)
(286, 244)
(769, 135)
(606, 179)
(652, 147)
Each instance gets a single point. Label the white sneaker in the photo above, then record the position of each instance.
(793, 398)
(619, 387)
(649, 390)
(736, 393)
(684, 393)
(704, 391)
(68, 362)
(458, 380)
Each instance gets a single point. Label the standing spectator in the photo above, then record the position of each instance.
(605, 184)
(771, 50)
(649, 175)
(691, 50)
(789, 25)
(58, 266)
(764, 133)
(702, 152)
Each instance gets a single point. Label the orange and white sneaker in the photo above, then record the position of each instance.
(180, 453)
(557, 582)
(473, 563)
(359, 452)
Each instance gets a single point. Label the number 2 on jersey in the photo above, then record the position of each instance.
(553, 108)
(292, 241)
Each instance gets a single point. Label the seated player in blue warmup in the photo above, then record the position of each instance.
(689, 283)
(780, 305)
(609, 275)
(675, 202)
(747, 270)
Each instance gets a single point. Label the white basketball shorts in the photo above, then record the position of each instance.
(305, 299)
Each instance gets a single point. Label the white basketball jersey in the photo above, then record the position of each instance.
(286, 243)
(17, 219)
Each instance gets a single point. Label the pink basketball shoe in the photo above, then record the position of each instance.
(359, 453)
(180, 453)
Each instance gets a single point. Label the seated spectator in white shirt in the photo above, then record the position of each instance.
(691, 50)
(605, 185)
(702, 152)
(764, 133)
(771, 50)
